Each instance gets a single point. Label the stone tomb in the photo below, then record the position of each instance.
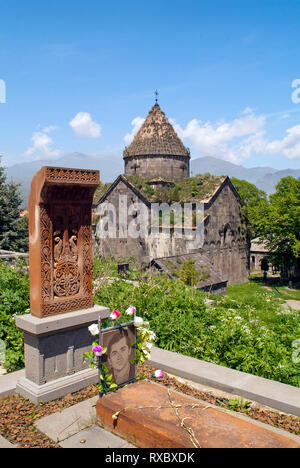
(150, 415)
(61, 301)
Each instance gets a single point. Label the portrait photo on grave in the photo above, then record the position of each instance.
(120, 343)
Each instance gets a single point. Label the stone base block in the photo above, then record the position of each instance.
(56, 388)
(54, 350)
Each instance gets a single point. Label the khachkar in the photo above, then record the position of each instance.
(60, 269)
(60, 240)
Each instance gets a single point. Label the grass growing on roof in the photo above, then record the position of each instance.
(199, 187)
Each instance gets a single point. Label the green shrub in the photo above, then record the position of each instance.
(14, 300)
(250, 334)
(246, 330)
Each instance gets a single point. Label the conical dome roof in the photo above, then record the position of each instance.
(156, 136)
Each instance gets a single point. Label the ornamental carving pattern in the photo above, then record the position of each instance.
(46, 252)
(61, 174)
(66, 274)
(60, 240)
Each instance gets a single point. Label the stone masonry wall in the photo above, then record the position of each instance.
(225, 243)
(123, 246)
(165, 166)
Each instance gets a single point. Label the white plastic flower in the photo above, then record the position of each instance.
(148, 346)
(151, 336)
(138, 322)
(93, 329)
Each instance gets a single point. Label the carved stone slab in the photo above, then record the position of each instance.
(60, 240)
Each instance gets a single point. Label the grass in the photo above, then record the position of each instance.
(247, 330)
(199, 187)
(279, 289)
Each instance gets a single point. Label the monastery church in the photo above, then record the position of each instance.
(157, 170)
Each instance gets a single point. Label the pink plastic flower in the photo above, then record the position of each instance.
(97, 350)
(158, 374)
(115, 315)
(131, 310)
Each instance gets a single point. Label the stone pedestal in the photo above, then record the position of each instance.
(54, 348)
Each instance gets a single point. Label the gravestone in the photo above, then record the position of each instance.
(60, 240)
(60, 270)
(123, 269)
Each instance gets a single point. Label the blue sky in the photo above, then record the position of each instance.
(78, 74)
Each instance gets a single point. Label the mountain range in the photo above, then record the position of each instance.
(110, 167)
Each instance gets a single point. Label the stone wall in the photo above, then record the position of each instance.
(14, 259)
(122, 245)
(256, 259)
(164, 166)
(225, 242)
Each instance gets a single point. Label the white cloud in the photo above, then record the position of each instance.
(289, 146)
(84, 126)
(49, 129)
(137, 123)
(225, 140)
(237, 140)
(42, 144)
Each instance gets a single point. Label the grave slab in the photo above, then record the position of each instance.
(68, 422)
(75, 427)
(8, 382)
(153, 416)
(5, 443)
(95, 437)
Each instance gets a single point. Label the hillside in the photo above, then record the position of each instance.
(264, 178)
(110, 167)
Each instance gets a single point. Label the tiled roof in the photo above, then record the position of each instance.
(171, 265)
(156, 136)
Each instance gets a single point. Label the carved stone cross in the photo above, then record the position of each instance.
(60, 240)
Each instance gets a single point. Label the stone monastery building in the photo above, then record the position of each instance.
(157, 170)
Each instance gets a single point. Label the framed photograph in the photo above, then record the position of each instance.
(120, 342)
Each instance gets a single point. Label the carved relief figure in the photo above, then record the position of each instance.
(66, 275)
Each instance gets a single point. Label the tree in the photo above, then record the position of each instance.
(13, 227)
(255, 203)
(188, 273)
(280, 225)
